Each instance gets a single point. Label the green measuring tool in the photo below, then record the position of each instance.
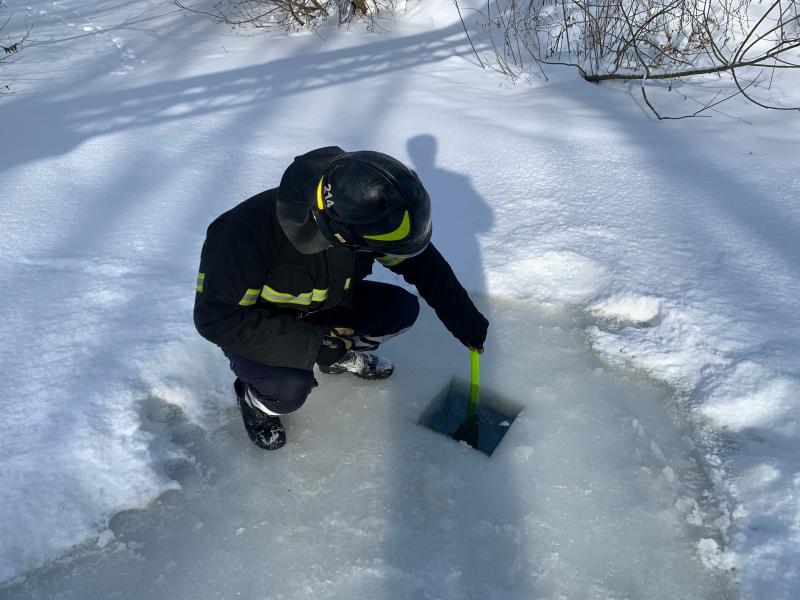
(468, 430)
(474, 383)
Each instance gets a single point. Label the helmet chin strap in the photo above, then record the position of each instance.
(329, 227)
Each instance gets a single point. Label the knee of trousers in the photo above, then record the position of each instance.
(287, 392)
(280, 389)
(408, 305)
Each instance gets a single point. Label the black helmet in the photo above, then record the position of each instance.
(371, 202)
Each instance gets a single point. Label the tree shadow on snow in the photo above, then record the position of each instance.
(68, 122)
(453, 517)
(456, 523)
(709, 195)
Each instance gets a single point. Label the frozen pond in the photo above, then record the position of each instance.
(594, 493)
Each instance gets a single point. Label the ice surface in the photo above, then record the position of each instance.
(365, 503)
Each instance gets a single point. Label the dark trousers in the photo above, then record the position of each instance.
(378, 311)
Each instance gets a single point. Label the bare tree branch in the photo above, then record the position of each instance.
(10, 48)
(290, 14)
(641, 40)
(458, 8)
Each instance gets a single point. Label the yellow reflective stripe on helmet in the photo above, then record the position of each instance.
(320, 204)
(250, 297)
(397, 234)
(390, 261)
(303, 299)
(201, 277)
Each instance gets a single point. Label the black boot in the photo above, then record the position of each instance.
(265, 431)
(361, 364)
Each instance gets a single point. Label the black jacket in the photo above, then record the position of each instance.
(254, 287)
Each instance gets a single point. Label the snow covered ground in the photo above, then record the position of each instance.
(135, 125)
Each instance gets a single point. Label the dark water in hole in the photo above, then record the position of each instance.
(447, 414)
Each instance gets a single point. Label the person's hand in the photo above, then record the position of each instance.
(335, 345)
(343, 333)
(475, 335)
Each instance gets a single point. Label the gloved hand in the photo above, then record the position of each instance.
(334, 346)
(475, 335)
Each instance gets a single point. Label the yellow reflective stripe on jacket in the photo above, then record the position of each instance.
(250, 297)
(390, 261)
(201, 277)
(347, 284)
(303, 299)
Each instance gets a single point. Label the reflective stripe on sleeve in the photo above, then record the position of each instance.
(347, 284)
(390, 261)
(250, 297)
(303, 299)
(201, 277)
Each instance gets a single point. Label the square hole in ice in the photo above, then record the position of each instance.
(447, 414)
